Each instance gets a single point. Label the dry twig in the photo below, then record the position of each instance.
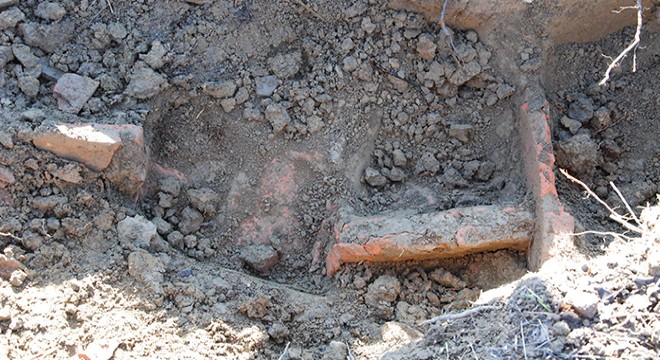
(441, 21)
(350, 354)
(633, 46)
(613, 214)
(522, 333)
(286, 349)
(459, 315)
(10, 235)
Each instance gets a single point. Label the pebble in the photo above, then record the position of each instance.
(266, 85)
(584, 303)
(279, 332)
(17, 278)
(278, 117)
(384, 289)
(10, 18)
(426, 47)
(29, 85)
(285, 66)
(50, 11)
(219, 90)
(6, 55)
(144, 82)
(373, 177)
(560, 328)
(581, 110)
(73, 91)
(137, 230)
(260, 258)
(572, 125)
(191, 221)
(579, 155)
(349, 64)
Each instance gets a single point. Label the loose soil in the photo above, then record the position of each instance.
(266, 123)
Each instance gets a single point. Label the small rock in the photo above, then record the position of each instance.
(430, 163)
(465, 73)
(155, 58)
(266, 85)
(29, 85)
(191, 221)
(399, 158)
(6, 55)
(602, 119)
(8, 265)
(285, 66)
(531, 64)
(47, 37)
(584, 303)
(572, 125)
(10, 18)
(461, 132)
(72, 92)
(279, 332)
(50, 11)
(426, 47)
(373, 177)
(204, 200)
(485, 171)
(278, 117)
(347, 45)
(336, 350)
(175, 239)
(117, 31)
(6, 140)
(393, 331)
(137, 230)
(367, 25)
(144, 82)
(504, 91)
(228, 105)
(24, 54)
(446, 279)
(465, 53)
(162, 226)
(560, 328)
(252, 114)
(7, 3)
(396, 174)
(6, 177)
(147, 269)
(220, 90)
(5, 313)
(579, 155)
(349, 64)
(17, 278)
(384, 289)
(398, 84)
(581, 110)
(261, 258)
(170, 185)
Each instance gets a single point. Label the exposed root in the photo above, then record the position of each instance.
(633, 45)
(460, 315)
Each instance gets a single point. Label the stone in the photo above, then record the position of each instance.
(136, 230)
(504, 91)
(6, 55)
(72, 92)
(347, 45)
(29, 85)
(219, 90)
(336, 350)
(204, 200)
(465, 53)
(572, 125)
(461, 132)
(155, 58)
(17, 278)
(279, 332)
(228, 105)
(602, 119)
(398, 84)
(10, 18)
(393, 331)
(147, 269)
(144, 82)
(260, 258)
(349, 64)
(162, 226)
(399, 158)
(8, 265)
(4, 4)
(47, 37)
(560, 328)
(426, 47)
(579, 155)
(50, 11)
(266, 85)
(429, 163)
(584, 303)
(191, 221)
(373, 177)
(465, 73)
(130, 163)
(581, 110)
(199, 2)
(367, 25)
(446, 279)
(6, 140)
(485, 171)
(252, 114)
(385, 289)
(396, 174)
(117, 31)
(278, 117)
(93, 145)
(285, 66)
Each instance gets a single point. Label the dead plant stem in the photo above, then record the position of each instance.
(633, 46)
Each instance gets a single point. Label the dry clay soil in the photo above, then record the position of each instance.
(266, 124)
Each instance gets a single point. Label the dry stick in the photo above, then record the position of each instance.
(10, 235)
(286, 348)
(350, 354)
(460, 315)
(444, 26)
(110, 6)
(602, 233)
(613, 214)
(632, 213)
(633, 45)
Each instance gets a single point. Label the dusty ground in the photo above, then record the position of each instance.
(266, 121)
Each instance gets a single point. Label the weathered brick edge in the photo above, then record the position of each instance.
(553, 223)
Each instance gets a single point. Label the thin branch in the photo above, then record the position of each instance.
(10, 235)
(633, 45)
(522, 333)
(443, 25)
(632, 213)
(350, 354)
(613, 214)
(460, 315)
(286, 349)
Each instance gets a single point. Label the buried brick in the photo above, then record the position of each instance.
(443, 234)
(553, 224)
(96, 146)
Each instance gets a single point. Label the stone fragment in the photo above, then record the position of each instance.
(6, 140)
(7, 3)
(228, 104)
(465, 73)
(278, 117)
(336, 350)
(6, 55)
(465, 53)
(349, 64)
(147, 269)
(50, 11)
(373, 177)
(462, 132)
(8, 265)
(285, 66)
(266, 85)
(17, 278)
(252, 114)
(429, 163)
(29, 85)
(29, 61)
(144, 82)
(47, 37)
(393, 331)
(199, 2)
(426, 47)
(584, 303)
(10, 18)
(205, 200)
(128, 169)
(219, 89)
(398, 84)
(399, 158)
(581, 110)
(396, 174)
(602, 119)
(572, 125)
(117, 31)
(93, 145)
(155, 58)
(260, 258)
(579, 155)
(446, 279)
(384, 289)
(72, 92)
(279, 332)
(136, 230)
(191, 221)
(367, 25)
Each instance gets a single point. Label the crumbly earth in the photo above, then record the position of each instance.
(265, 120)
